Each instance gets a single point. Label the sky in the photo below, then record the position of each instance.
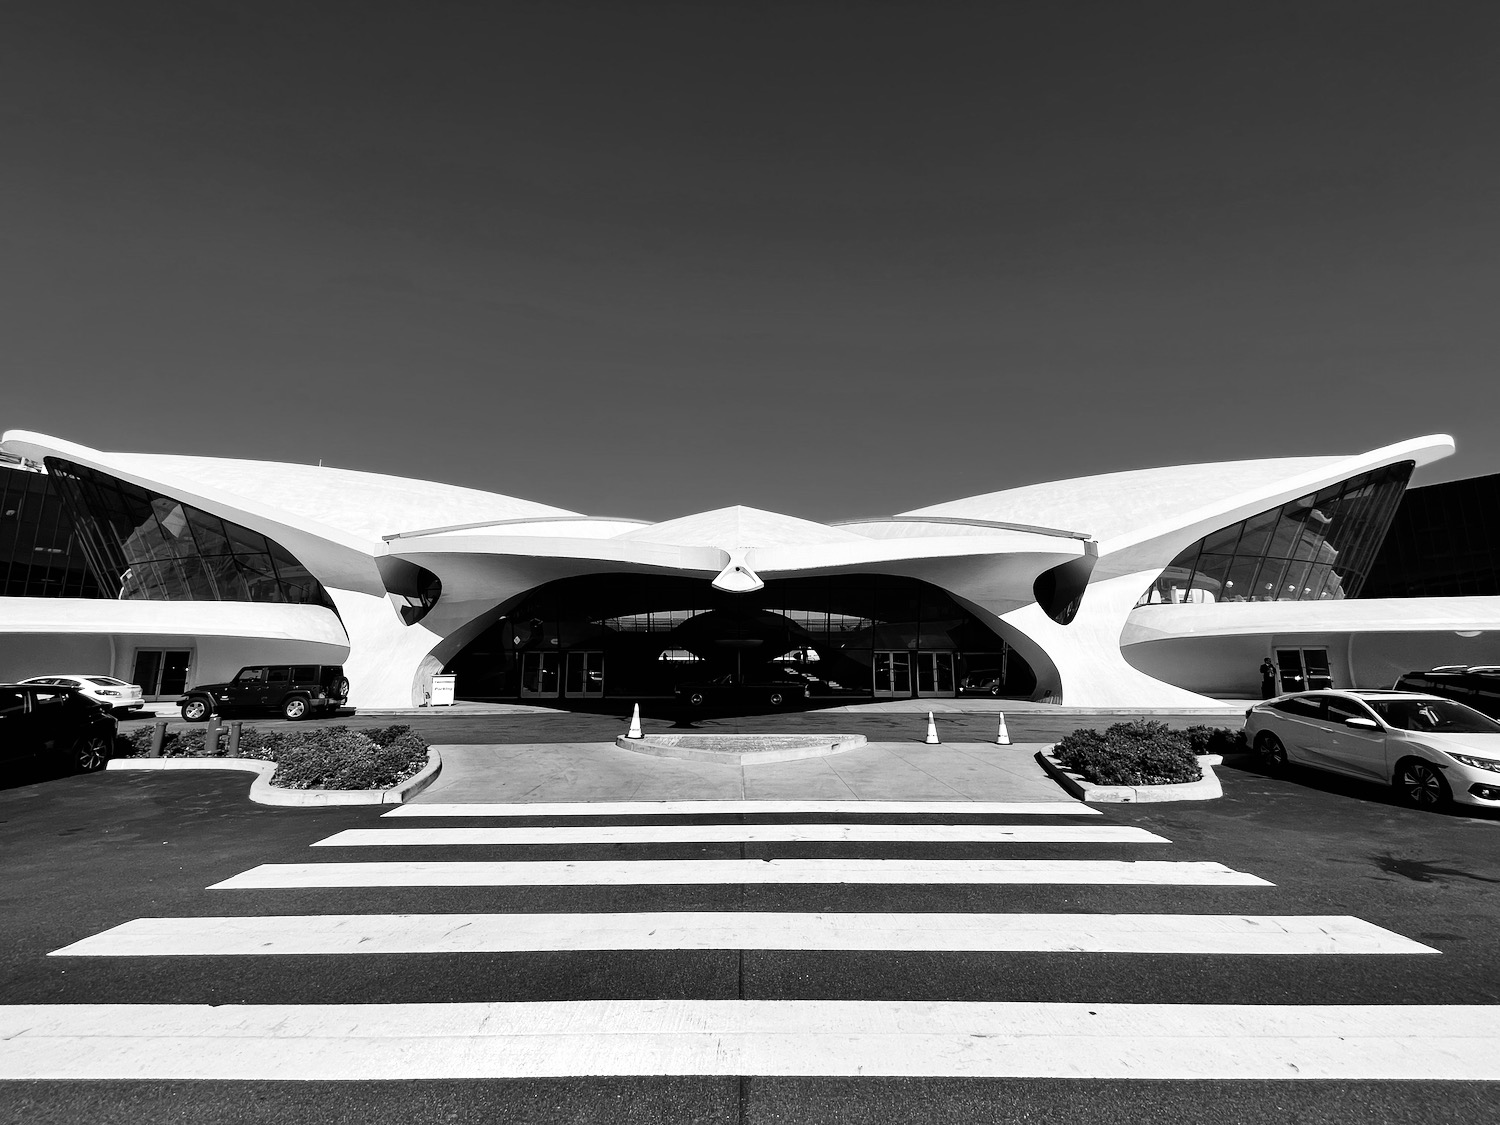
(830, 259)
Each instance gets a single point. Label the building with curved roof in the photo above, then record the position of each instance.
(1147, 588)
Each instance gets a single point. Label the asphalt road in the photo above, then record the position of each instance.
(84, 854)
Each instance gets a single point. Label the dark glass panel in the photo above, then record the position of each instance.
(150, 546)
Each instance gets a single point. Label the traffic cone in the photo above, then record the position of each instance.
(1003, 737)
(635, 723)
(932, 738)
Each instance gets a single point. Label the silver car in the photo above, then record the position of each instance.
(1431, 750)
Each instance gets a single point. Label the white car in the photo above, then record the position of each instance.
(1431, 750)
(106, 691)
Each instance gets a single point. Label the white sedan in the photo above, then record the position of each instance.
(106, 691)
(1431, 750)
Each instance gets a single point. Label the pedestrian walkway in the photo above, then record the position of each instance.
(712, 1036)
(573, 772)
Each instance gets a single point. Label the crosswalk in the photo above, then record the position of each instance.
(752, 1037)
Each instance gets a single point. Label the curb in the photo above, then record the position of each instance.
(671, 746)
(263, 792)
(1206, 788)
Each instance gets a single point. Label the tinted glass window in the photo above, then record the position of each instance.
(250, 676)
(1441, 715)
(1341, 710)
(1301, 706)
(304, 673)
(278, 675)
(12, 703)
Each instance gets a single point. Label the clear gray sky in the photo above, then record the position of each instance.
(833, 259)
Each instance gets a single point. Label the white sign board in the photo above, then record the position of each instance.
(442, 691)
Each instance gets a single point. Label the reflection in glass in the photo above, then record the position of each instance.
(1318, 546)
(148, 547)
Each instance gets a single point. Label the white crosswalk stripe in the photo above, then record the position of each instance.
(749, 808)
(748, 834)
(749, 1037)
(812, 1037)
(512, 933)
(675, 872)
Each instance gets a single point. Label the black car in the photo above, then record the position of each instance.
(1477, 686)
(56, 724)
(294, 690)
(729, 691)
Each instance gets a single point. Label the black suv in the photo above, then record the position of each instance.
(295, 690)
(1477, 686)
(55, 723)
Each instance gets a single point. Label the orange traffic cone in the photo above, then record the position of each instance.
(635, 723)
(1003, 737)
(932, 738)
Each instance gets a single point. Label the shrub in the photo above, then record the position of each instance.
(1135, 753)
(315, 758)
(1216, 740)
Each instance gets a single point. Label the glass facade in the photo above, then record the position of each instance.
(1444, 542)
(849, 637)
(1318, 546)
(143, 546)
(40, 552)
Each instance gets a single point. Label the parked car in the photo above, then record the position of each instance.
(56, 724)
(1432, 750)
(1478, 686)
(294, 690)
(106, 691)
(986, 682)
(727, 691)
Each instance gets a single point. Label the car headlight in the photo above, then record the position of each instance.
(1476, 763)
(106, 691)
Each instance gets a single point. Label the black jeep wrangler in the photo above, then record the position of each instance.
(295, 690)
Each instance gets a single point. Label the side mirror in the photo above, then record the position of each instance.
(1362, 724)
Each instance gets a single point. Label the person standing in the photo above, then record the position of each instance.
(1267, 678)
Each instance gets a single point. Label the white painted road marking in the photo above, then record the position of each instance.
(741, 808)
(749, 834)
(811, 1038)
(682, 872)
(521, 933)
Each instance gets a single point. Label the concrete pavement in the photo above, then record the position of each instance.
(574, 772)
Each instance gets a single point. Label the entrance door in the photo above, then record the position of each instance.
(935, 673)
(1303, 669)
(539, 675)
(162, 673)
(585, 678)
(892, 672)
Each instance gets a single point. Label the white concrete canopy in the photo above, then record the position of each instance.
(988, 551)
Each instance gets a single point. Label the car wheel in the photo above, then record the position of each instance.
(1420, 785)
(195, 710)
(777, 699)
(695, 699)
(295, 708)
(90, 753)
(1271, 752)
(341, 689)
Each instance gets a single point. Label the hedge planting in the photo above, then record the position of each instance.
(316, 758)
(1142, 752)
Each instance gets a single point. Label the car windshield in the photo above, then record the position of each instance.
(1440, 715)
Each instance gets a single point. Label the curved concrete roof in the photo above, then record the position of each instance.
(365, 505)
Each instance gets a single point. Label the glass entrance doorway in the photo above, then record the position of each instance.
(162, 673)
(1303, 669)
(935, 673)
(892, 671)
(585, 679)
(539, 675)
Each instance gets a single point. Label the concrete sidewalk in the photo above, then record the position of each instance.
(883, 771)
